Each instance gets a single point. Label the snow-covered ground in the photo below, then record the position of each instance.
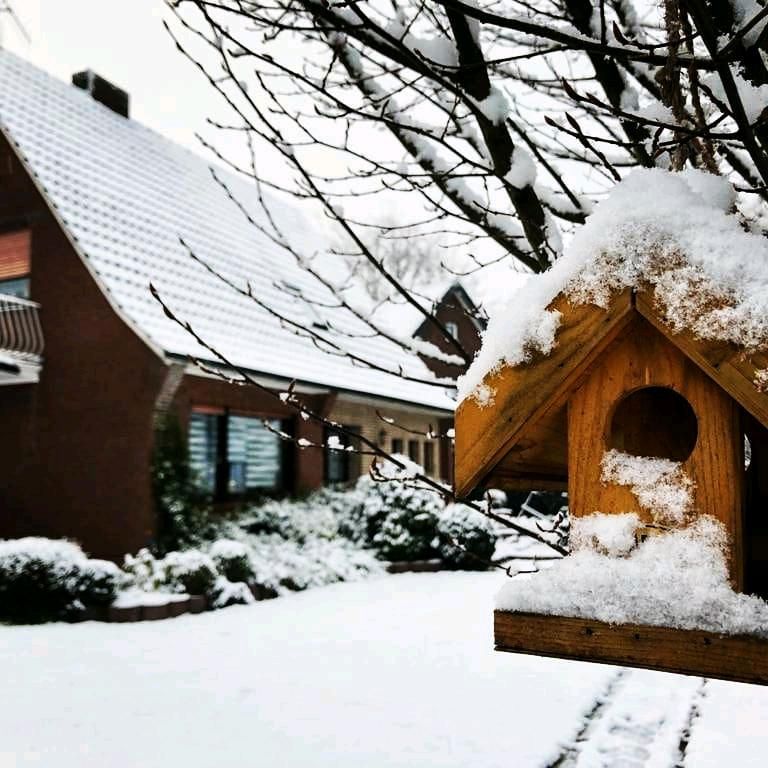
(394, 671)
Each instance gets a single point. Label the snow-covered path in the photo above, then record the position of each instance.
(396, 671)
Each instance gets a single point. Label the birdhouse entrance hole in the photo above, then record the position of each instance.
(654, 421)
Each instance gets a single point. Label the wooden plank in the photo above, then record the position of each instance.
(539, 461)
(725, 363)
(742, 658)
(643, 357)
(525, 481)
(527, 393)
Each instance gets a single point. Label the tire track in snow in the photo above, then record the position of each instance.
(643, 720)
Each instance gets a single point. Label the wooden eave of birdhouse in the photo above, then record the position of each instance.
(519, 438)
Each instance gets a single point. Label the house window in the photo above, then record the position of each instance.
(254, 455)
(397, 445)
(18, 287)
(15, 263)
(234, 456)
(413, 450)
(341, 466)
(429, 458)
(203, 441)
(452, 328)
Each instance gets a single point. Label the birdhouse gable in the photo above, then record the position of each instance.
(515, 430)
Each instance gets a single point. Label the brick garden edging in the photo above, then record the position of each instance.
(416, 566)
(115, 614)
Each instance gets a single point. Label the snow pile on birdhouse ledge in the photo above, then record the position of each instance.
(676, 233)
(619, 574)
(676, 579)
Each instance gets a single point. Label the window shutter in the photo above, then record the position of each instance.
(14, 254)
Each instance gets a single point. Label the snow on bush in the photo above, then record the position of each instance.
(660, 485)
(316, 516)
(406, 533)
(232, 559)
(676, 579)
(224, 593)
(608, 534)
(283, 565)
(466, 538)
(143, 571)
(400, 514)
(100, 581)
(673, 231)
(222, 575)
(43, 579)
(190, 571)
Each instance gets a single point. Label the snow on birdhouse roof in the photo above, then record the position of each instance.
(675, 233)
(126, 195)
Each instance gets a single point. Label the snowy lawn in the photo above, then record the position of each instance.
(394, 671)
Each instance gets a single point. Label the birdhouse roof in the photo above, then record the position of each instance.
(665, 248)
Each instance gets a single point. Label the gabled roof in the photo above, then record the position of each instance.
(456, 294)
(126, 195)
(523, 425)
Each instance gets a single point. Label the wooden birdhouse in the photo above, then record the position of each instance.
(619, 379)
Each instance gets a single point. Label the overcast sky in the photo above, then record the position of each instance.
(125, 42)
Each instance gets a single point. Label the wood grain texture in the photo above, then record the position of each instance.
(526, 394)
(724, 362)
(742, 658)
(642, 357)
(539, 461)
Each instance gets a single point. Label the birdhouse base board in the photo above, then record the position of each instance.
(742, 658)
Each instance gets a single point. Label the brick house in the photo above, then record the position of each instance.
(93, 206)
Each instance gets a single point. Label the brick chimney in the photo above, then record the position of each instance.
(102, 91)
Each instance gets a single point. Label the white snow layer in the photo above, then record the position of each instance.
(676, 579)
(673, 231)
(393, 672)
(607, 534)
(659, 485)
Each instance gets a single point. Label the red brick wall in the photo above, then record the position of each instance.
(450, 310)
(75, 448)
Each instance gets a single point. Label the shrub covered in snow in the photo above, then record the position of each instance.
(100, 581)
(192, 572)
(222, 575)
(400, 515)
(282, 565)
(296, 520)
(232, 560)
(408, 521)
(405, 533)
(143, 571)
(392, 515)
(466, 537)
(225, 593)
(44, 579)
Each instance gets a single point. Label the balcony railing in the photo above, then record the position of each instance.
(20, 332)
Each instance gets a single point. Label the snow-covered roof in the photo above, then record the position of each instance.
(126, 195)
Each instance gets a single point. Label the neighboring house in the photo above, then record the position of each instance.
(463, 320)
(92, 208)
